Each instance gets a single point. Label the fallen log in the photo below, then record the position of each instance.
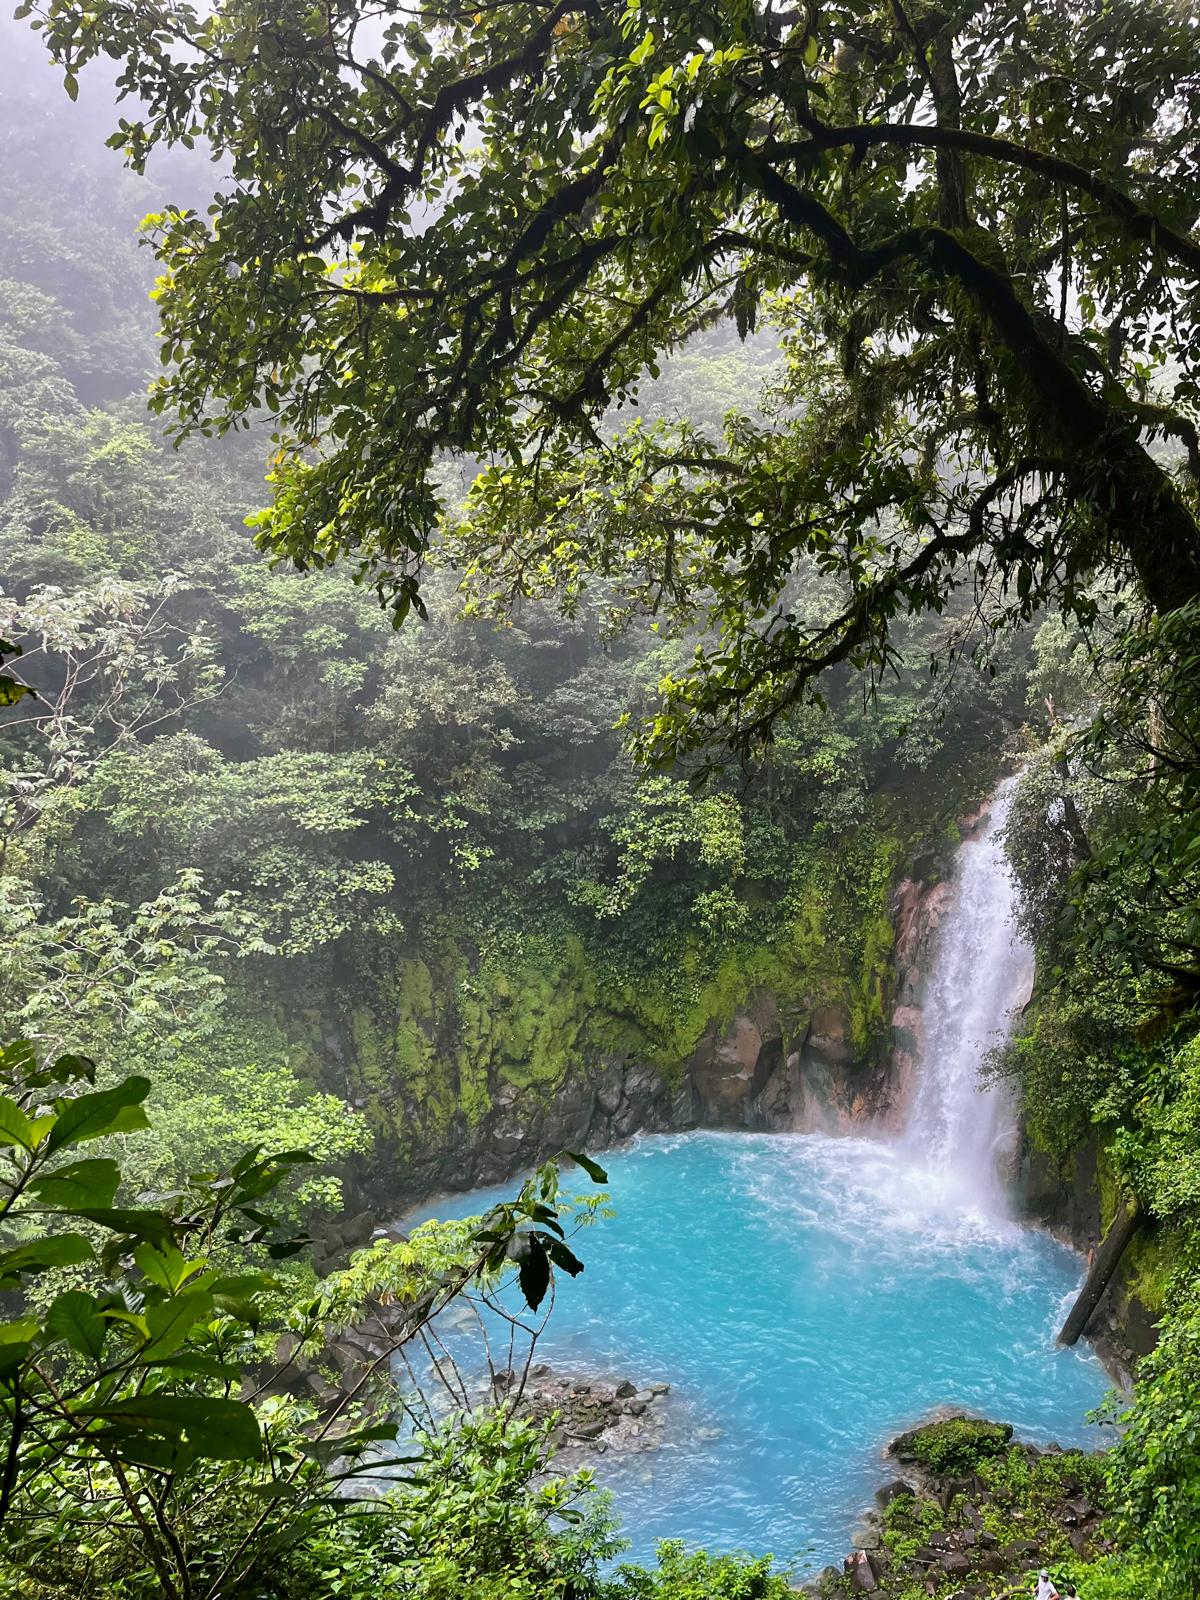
(1108, 1255)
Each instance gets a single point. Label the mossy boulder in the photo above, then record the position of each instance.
(952, 1445)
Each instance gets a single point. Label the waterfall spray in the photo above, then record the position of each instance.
(959, 1127)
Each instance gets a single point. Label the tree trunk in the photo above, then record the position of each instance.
(1124, 1225)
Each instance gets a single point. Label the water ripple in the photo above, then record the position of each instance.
(807, 1298)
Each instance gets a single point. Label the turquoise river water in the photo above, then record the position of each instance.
(807, 1298)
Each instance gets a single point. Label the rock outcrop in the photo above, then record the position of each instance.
(945, 1527)
(784, 1070)
(1062, 1192)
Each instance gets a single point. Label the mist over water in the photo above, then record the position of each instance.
(808, 1297)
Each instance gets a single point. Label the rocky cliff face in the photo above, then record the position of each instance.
(776, 1070)
(471, 1083)
(1067, 1194)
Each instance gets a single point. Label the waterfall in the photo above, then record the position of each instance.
(958, 1128)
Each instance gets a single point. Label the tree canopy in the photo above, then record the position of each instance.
(474, 230)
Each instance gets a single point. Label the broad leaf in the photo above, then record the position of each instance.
(91, 1116)
(79, 1185)
(169, 1324)
(221, 1430)
(15, 1341)
(15, 1127)
(73, 1318)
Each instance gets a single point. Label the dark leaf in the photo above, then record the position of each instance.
(564, 1258)
(594, 1171)
(534, 1272)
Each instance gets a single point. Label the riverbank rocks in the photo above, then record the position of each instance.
(589, 1414)
(975, 1514)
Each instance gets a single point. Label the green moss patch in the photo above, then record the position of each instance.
(954, 1445)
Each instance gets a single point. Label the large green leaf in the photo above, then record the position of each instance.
(221, 1430)
(15, 1341)
(57, 1250)
(91, 1116)
(78, 1185)
(73, 1318)
(15, 1127)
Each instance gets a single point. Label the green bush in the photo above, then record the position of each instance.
(697, 1575)
(956, 1445)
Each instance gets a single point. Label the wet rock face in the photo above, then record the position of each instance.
(598, 1105)
(1060, 1191)
(795, 1073)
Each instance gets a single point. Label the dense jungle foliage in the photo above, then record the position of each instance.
(781, 401)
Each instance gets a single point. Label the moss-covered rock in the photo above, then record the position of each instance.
(984, 1517)
(953, 1445)
(476, 1049)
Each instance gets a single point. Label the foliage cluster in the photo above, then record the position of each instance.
(958, 1445)
(1019, 1499)
(238, 784)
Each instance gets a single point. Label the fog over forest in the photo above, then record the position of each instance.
(598, 622)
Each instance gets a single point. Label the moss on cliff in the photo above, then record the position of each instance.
(485, 1017)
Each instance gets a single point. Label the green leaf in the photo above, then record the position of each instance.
(80, 1184)
(91, 1116)
(594, 1171)
(16, 1338)
(73, 1318)
(170, 1323)
(167, 1267)
(15, 1126)
(220, 1430)
(59, 1250)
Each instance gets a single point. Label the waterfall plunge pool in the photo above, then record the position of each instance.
(807, 1298)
